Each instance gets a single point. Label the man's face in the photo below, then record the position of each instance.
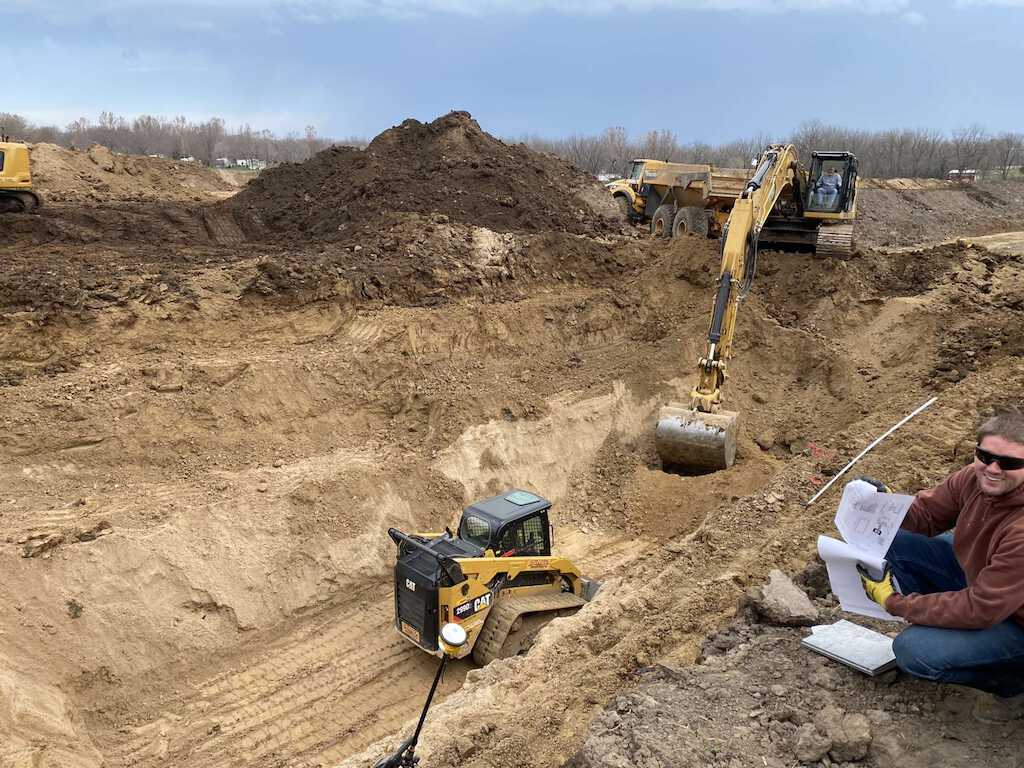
(994, 480)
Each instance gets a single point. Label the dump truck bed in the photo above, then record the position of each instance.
(693, 182)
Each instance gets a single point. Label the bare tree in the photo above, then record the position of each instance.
(659, 145)
(1008, 151)
(969, 147)
(208, 135)
(616, 148)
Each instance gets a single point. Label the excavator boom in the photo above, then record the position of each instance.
(702, 436)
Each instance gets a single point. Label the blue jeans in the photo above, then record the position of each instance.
(990, 660)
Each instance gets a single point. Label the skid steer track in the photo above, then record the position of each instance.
(503, 615)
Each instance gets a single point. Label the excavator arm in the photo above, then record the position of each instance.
(703, 436)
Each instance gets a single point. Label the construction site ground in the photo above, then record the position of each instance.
(212, 413)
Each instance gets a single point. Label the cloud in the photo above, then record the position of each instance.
(317, 11)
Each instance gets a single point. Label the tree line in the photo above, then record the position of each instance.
(909, 153)
(881, 154)
(175, 137)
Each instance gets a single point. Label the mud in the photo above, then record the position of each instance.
(205, 437)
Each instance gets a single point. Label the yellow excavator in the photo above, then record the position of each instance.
(16, 193)
(495, 578)
(783, 205)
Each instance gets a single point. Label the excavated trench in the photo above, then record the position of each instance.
(200, 458)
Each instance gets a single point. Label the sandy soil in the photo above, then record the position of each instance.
(97, 175)
(208, 429)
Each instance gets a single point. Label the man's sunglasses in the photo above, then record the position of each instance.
(1008, 463)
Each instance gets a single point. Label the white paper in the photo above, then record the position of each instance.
(853, 645)
(841, 560)
(868, 520)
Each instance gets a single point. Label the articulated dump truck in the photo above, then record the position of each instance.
(676, 198)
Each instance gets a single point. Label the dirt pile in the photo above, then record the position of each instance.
(449, 167)
(757, 697)
(99, 175)
(902, 212)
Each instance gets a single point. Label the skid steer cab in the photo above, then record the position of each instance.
(496, 578)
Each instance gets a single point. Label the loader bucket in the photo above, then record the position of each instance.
(690, 439)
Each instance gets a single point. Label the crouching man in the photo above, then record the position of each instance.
(963, 593)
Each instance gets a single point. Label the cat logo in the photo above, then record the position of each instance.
(410, 585)
(468, 608)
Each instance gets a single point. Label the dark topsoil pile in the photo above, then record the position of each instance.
(449, 167)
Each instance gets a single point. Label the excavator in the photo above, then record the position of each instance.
(495, 578)
(16, 193)
(783, 205)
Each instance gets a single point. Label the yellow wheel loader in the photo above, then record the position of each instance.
(16, 193)
(783, 205)
(678, 198)
(496, 578)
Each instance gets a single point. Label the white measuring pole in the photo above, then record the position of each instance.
(863, 453)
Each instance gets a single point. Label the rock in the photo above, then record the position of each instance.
(781, 602)
(824, 678)
(886, 750)
(765, 440)
(102, 528)
(850, 734)
(40, 543)
(465, 747)
(809, 746)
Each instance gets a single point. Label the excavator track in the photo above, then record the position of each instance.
(835, 240)
(503, 615)
(19, 202)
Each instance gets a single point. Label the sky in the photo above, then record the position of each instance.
(709, 70)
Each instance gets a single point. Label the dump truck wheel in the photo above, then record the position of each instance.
(624, 205)
(690, 219)
(661, 222)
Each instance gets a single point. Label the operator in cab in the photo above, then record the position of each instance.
(963, 591)
(826, 189)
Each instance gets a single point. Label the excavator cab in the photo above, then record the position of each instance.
(831, 182)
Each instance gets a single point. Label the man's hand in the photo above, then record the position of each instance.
(880, 590)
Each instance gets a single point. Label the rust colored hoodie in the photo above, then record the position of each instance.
(989, 545)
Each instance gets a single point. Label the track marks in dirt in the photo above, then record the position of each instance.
(345, 678)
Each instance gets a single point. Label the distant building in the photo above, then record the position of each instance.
(252, 163)
(968, 176)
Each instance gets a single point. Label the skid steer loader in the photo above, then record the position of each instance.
(495, 577)
(16, 193)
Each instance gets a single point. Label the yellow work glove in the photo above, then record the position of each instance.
(879, 590)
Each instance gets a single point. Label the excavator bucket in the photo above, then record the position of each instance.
(690, 439)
